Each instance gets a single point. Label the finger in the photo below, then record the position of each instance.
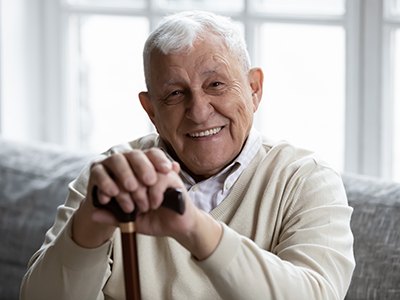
(125, 202)
(121, 171)
(141, 199)
(176, 167)
(156, 192)
(104, 217)
(103, 198)
(159, 160)
(156, 195)
(99, 177)
(142, 167)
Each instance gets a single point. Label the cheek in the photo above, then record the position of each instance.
(239, 107)
(244, 116)
(167, 120)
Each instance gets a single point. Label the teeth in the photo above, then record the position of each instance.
(206, 132)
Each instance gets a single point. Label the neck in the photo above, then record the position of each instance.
(172, 153)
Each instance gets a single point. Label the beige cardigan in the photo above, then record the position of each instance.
(286, 236)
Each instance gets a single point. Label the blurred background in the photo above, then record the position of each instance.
(71, 71)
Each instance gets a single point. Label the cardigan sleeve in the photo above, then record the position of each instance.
(312, 260)
(61, 269)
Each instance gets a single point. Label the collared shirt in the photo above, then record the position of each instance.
(209, 193)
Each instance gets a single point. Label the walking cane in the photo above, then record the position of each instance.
(173, 200)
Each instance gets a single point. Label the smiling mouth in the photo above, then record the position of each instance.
(205, 133)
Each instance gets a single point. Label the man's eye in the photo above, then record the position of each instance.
(176, 93)
(216, 88)
(174, 97)
(217, 84)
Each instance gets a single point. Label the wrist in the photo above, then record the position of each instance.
(204, 237)
(87, 233)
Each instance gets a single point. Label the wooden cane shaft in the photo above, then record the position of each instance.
(131, 267)
(173, 199)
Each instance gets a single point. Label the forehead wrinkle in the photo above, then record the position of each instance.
(211, 55)
(203, 66)
(210, 70)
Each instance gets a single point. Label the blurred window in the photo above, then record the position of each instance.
(396, 110)
(110, 77)
(304, 87)
(307, 7)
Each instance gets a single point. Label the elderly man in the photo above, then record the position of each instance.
(263, 220)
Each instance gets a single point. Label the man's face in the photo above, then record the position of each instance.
(202, 104)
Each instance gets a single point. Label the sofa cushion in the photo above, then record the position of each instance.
(376, 228)
(33, 182)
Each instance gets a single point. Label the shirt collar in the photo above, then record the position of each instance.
(251, 147)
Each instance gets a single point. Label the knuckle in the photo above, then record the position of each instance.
(114, 158)
(96, 170)
(95, 166)
(156, 152)
(132, 155)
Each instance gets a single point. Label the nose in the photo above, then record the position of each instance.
(198, 107)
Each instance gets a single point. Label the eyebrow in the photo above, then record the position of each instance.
(172, 82)
(208, 72)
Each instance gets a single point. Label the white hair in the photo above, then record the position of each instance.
(178, 32)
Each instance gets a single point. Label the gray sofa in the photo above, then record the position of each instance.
(33, 182)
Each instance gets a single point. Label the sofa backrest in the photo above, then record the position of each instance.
(376, 229)
(33, 182)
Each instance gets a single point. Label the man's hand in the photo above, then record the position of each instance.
(138, 180)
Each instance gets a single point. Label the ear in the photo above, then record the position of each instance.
(256, 79)
(145, 100)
